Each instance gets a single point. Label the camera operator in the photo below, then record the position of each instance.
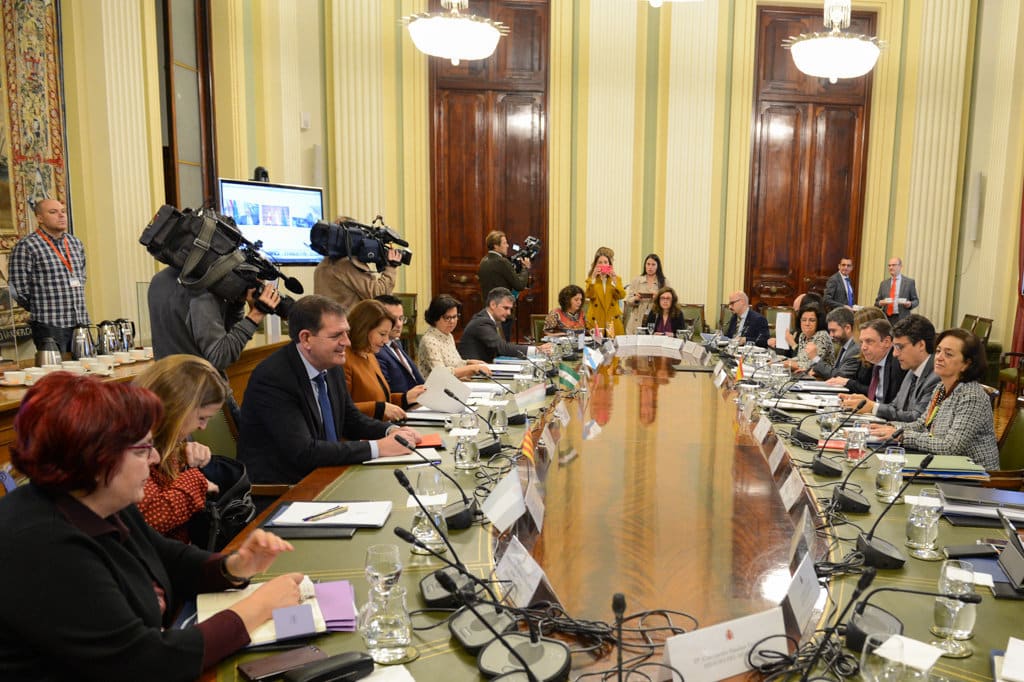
(202, 323)
(497, 270)
(348, 280)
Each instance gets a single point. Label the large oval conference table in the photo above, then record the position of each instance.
(658, 487)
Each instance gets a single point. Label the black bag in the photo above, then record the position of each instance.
(225, 516)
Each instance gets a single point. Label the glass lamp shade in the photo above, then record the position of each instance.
(454, 36)
(834, 55)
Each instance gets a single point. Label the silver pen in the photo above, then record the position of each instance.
(424, 464)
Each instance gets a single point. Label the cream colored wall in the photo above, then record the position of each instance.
(661, 135)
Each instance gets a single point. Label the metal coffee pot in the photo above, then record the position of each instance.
(108, 338)
(48, 352)
(126, 334)
(82, 345)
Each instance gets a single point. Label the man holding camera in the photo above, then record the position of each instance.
(348, 280)
(202, 323)
(497, 270)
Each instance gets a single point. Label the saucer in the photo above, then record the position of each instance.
(4, 382)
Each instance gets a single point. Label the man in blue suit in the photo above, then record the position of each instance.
(746, 322)
(396, 365)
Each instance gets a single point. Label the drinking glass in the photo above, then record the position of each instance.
(779, 376)
(383, 567)
(878, 664)
(923, 525)
(430, 489)
(650, 327)
(890, 474)
(386, 627)
(467, 454)
(954, 620)
(499, 419)
(856, 444)
(641, 331)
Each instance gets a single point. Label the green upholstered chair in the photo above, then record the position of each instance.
(693, 313)
(1011, 372)
(968, 322)
(983, 329)
(220, 435)
(1011, 445)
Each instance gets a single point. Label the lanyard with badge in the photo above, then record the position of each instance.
(72, 280)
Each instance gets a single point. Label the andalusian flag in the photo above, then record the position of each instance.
(568, 378)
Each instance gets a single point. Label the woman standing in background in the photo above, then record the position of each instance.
(642, 290)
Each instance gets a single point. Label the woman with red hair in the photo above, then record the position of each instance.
(94, 589)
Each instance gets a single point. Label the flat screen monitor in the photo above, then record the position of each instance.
(280, 216)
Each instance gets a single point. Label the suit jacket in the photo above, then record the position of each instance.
(498, 271)
(367, 387)
(908, 290)
(281, 437)
(835, 292)
(677, 320)
(847, 364)
(604, 303)
(398, 377)
(891, 380)
(755, 328)
(910, 402)
(963, 425)
(480, 340)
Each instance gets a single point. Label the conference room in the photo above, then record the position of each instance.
(683, 130)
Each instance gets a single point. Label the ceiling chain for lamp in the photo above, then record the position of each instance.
(453, 35)
(834, 54)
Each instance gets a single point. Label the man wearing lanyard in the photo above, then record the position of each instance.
(47, 276)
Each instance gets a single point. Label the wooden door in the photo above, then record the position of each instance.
(489, 156)
(807, 168)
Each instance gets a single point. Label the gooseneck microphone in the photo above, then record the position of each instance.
(805, 437)
(824, 467)
(862, 584)
(458, 515)
(877, 552)
(550, 374)
(503, 386)
(850, 500)
(432, 592)
(619, 609)
(449, 584)
(868, 618)
(487, 451)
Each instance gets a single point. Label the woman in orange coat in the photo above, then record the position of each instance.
(371, 328)
(604, 291)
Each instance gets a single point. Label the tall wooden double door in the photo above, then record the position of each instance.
(489, 155)
(808, 165)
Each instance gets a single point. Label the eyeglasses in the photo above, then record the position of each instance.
(450, 318)
(142, 449)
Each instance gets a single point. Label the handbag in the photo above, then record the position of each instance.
(227, 514)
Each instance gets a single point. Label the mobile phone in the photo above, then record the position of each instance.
(278, 664)
(604, 269)
(976, 550)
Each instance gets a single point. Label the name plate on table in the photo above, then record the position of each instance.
(505, 504)
(803, 592)
(775, 459)
(720, 651)
(719, 378)
(531, 398)
(761, 430)
(521, 570)
(535, 505)
(562, 412)
(791, 489)
(719, 366)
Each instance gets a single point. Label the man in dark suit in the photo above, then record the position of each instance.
(839, 287)
(913, 342)
(481, 339)
(497, 270)
(880, 380)
(840, 328)
(897, 296)
(397, 367)
(751, 324)
(296, 406)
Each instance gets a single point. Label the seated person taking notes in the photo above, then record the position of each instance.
(283, 435)
(93, 589)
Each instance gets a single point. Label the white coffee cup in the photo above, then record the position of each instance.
(66, 364)
(122, 357)
(75, 370)
(138, 354)
(149, 352)
(102, 365)
(107, 359)
(14, 377)
(32, 374)
(51, 368)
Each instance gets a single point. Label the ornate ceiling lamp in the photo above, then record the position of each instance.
(834, 54)
(453, 35)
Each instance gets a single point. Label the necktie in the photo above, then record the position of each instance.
(873, 386)
(397, 350)
(326, 413)
(839, 360)
(849, 291)
(892, 298)
(910, 392)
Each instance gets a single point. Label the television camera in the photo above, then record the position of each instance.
(212, 255)
(365, 243)
(530, 249)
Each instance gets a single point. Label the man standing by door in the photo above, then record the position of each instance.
(839, 288)
(47, 276)
(496, 270)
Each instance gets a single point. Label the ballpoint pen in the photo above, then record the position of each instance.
(424, 464)
(327, 513)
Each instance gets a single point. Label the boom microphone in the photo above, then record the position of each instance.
(852, 501)
(824, 467)
(877, 552)
(867, 619)
(549, 373)
(487, 450)
(458, 515)
(865, 581)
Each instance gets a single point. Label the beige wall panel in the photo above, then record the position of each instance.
(560, 166)
(610, 127)
(229, 88)
(690, 148)
(275, 55)
(935, 173)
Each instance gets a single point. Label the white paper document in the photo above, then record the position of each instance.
(435, 398)
(432, 454)
(782, 323)
(210, 603)
(360, 514)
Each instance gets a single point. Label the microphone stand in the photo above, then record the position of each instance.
(877, 552)
(462, 570)
(881, 621)
(848, 500)
(819, 464)
(548, 373)
(619, 609)
(865, 581)
(433, 593)
(805, 437)
(457, 516)
(489, 450)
